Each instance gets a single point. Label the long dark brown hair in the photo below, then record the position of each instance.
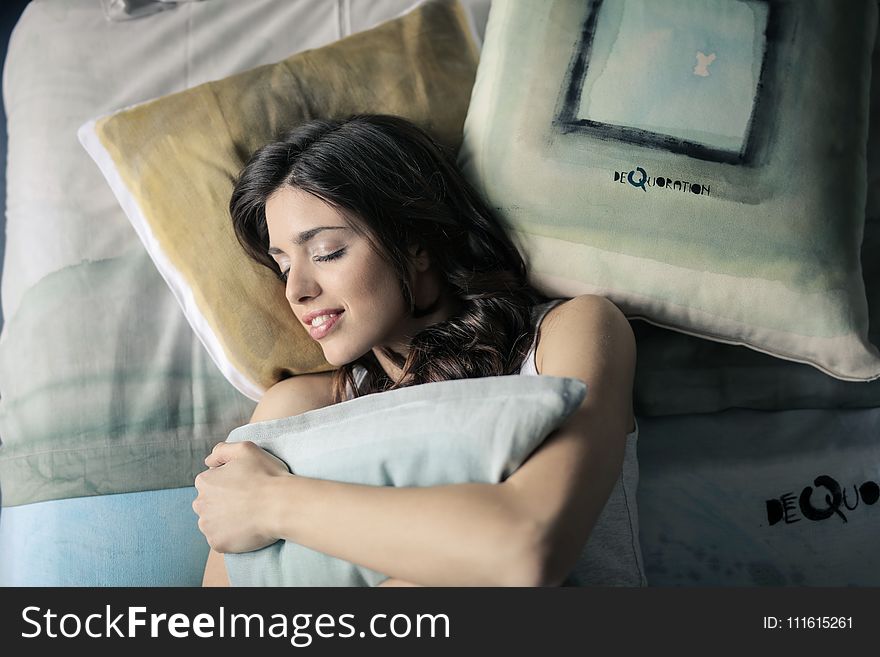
(397, 186)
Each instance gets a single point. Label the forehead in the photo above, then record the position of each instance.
(293, 217)
(290, 206)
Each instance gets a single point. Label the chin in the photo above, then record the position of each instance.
(335, 359)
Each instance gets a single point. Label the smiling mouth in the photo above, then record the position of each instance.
(318, 332)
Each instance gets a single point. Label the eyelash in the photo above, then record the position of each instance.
(332, 256)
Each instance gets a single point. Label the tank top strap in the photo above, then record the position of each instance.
(529, 365)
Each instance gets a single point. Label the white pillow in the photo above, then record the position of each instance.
(465, 430)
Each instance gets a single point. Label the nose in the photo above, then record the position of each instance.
(299, 287)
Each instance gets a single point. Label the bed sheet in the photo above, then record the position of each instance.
(149, 538)
(757, 498)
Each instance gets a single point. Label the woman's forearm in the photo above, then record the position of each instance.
(396, 582)
(456, 535)
(215, 570)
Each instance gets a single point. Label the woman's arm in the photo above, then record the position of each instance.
(215, 571)
(528, 530)
(566, 487)
(456, 535)
(396, 582)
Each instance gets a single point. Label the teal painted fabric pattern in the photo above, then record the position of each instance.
(657, 74)
(678, 374)
(105, 391)
(702, 164)
(466, 430)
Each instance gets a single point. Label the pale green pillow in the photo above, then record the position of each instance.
(700, 163)
(465, 430)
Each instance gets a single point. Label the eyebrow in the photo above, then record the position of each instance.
(304, 237)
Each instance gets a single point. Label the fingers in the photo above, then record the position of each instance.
(225, 452)
(219, 455)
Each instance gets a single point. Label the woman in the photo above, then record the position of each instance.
(404, 276)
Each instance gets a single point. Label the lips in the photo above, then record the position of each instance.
(307, 319)
(318, 332)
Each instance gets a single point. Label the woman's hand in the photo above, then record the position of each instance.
(232, 503)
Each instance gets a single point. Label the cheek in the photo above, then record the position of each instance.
(377, 282)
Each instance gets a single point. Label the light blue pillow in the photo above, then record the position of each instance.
(466, 430)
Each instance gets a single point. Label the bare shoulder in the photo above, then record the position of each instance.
(589, 337)
(588, 320)
(295, 395)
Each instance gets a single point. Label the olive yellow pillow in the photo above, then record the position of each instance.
(172, 163)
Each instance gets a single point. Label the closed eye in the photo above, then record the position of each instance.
(282, 276)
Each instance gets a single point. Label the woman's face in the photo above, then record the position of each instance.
(329, 266)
